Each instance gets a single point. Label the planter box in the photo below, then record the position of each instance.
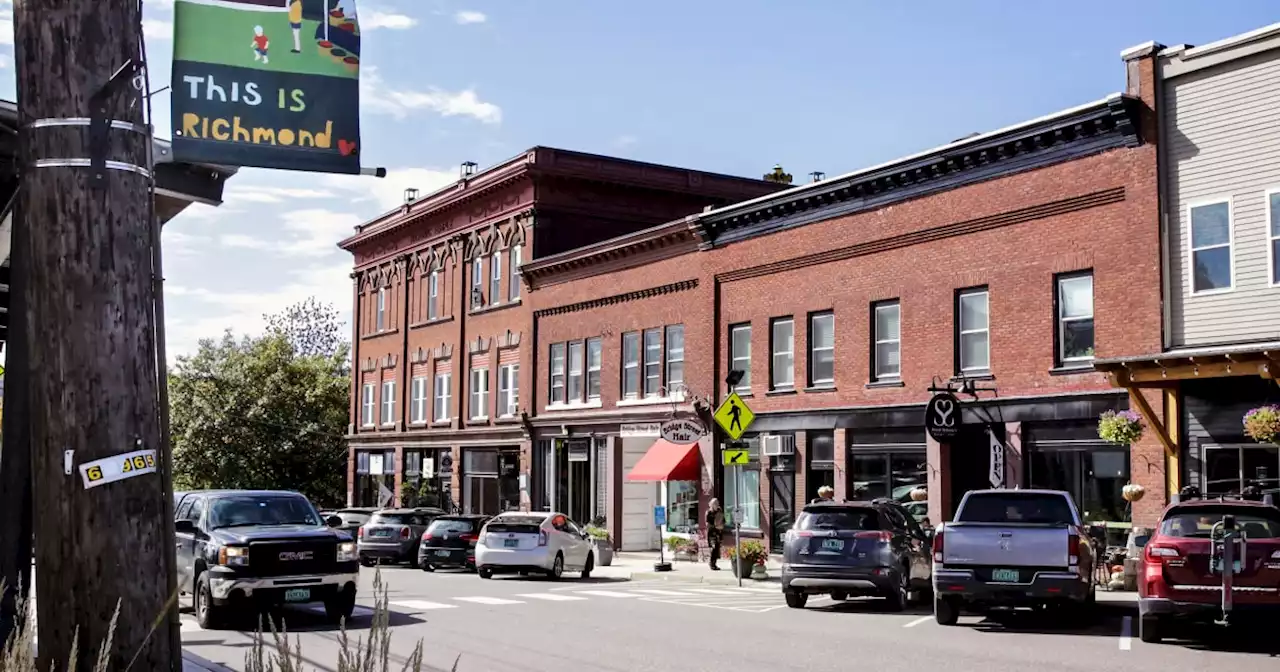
(604, 552)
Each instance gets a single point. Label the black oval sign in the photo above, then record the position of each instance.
(942, 417)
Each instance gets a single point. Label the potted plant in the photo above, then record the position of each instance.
(603, 545)
(1120, 427)
(1132, 492)
(1262, 424)
(752, 553)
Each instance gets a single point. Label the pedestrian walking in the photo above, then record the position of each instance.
(825, 494)
(715, 530)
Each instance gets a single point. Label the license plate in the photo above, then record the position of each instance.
(381, 533)
(1217, 566)
(1005, 575)
(297, 595)
(443, 554)
(833, 544)
(510, 543)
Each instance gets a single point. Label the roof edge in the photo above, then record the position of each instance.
(678, 236)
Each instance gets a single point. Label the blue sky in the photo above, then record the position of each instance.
(732, 86)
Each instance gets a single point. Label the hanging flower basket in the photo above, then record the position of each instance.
(919, 494)
(1132, 492)
(1262, 424)
(1120, 427)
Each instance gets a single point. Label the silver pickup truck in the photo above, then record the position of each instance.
(1012, 548)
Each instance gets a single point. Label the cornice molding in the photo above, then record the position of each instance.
(683, 285)
(646, 246)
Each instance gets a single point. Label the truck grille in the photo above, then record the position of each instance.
(282, 558)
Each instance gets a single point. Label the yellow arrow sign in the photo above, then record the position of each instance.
(732, 456)
(734, 416)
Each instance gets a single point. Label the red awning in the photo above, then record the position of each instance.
(667, 461)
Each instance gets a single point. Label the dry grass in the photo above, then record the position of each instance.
(371, 653)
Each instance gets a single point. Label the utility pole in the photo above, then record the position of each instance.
(90, 335)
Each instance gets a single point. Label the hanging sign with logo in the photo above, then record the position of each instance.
(682, 431)
(942, 417)
(267, 83)
(996, 477)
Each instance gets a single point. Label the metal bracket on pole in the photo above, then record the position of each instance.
(100, 125)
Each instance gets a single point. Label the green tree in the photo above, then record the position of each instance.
(266, 412)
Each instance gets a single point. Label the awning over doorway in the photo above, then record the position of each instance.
(666, 461)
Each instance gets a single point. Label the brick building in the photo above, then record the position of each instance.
(1005, 261)
(442, 333)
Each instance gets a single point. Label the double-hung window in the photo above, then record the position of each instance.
(675, 356)
(822, 349)
(480, 393)
(782, 348)
(973, 330)
(433, 295)
(366, 405)
(740, 354)
(886, 352)
(631, 365)
(1075, 317)
(508, 390)
(388, 402)
(652, 362)
(442, 397)
(495, 279)
(1210, 229)
(477, 282)
(418, 397)
(1273, 234)
(575, 371)
(381, 321)
(557, 373)
(513, 290)
(593, 369)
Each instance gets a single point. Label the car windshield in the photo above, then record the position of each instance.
(354, 518)
(1198, 523)
(1016, 507)
(245, 510)
(839, 519)
(451, 525)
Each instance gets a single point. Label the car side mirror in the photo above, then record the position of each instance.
(333, 521)
(184, 527)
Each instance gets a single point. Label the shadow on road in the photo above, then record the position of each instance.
(566, 580)
(1260, 639)
(1105, 622)
(305, 620)
(870, 605)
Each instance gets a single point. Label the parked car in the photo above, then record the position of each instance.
(534, 542)
(1183, 575)
(393, 535)
(239, 550)
(1012, 548)
(354, 518)
(450, 541)
(855, 548)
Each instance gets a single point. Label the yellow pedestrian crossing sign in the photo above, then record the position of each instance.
(734, 416)
(732, 456)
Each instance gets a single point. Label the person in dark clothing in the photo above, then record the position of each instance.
(715, 529)
(825, 494)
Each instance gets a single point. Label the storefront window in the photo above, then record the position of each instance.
(490, 481)
(1228, 469)
(821, 449)
(682, 506)
(1093, 476)
(744, 482)
(887, 474)
(375, 478)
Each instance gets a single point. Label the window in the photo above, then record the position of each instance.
(974, 330)
(419, 399)
(388, 402)
(652, 361)
(513, 291)
(443, 393)
(742, 487)
(477, 282)
(631, 365)
(508, 390)
(1210, 246)
(433, 294)
(782, 343)
(822, 349)
(495, 278)
(479, 393)
(1273, 234)
(675, 356)
(886, 353)
(1075, 317)
(366, 405)
(593, 369)
(382, 309)
(740, 354)
(575, 371)
(557, 373)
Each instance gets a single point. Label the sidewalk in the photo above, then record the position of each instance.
(193, 663)
(638, 566)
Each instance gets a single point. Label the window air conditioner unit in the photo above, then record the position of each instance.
(775, 445)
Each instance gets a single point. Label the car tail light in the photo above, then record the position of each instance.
(937, 546)
(1158, 552)
(542, 537)
(469, 538)
(404, 533)
(1073, 549)
(802, 533)
(426, 536)
(880, 535)
(360, 533)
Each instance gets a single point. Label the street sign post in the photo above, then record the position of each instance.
(734, 416)
(660, 521)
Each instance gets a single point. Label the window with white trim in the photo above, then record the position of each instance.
(480, 393)
(1075, 317)
(418, 398)
(575, 371)
(443, 396)
(381, 320)
(388, 402)
(366, 405)
(557, 373)
(782, 348)
(822, 349)
(513, 291)
(886, 352)
(1210, 231)
(740, 354)
(477, 282)
(1273, 234)
(675, 356)
(495, 278)
(593, 368)
(508, 390)
(433, 295)
(973, 330)
(631, 365)
(652, 361)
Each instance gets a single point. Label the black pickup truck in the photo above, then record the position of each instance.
(250, 550)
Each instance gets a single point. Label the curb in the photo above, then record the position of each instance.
(194, 663)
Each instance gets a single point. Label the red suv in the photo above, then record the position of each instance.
(1183, 575)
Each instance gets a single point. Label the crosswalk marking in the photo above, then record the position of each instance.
(665, 593)
(605, 593)
(420, 605)
(487, 600)
(713, 591)
(552, 597)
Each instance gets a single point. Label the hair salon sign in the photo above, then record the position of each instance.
(682, 431)
(942, 417)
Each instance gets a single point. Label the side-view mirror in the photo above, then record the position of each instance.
(184, 527)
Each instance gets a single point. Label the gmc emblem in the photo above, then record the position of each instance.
(295, 555)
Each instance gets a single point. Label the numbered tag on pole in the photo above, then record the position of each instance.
(118, 468)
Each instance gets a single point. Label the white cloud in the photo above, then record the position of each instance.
(388, 192)
(625, 141)
(391, 21)
(5, 60)
(157, 29)
(306, 233)
(260, 193)
(239, 240)
(380, 97)
(177, 244)
(468, 16)
(6, 22)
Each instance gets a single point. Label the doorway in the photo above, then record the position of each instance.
(970, 462)
(575, 486)
(782, 503)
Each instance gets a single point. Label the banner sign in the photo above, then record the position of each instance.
(942, 417)
(267, 83)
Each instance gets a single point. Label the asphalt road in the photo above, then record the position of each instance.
(535, 625)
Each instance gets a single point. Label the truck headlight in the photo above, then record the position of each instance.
(347, 551)
(233, 556)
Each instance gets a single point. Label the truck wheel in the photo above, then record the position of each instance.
(945, 611)
(1149, 629)
(340, 606)
(897, 600)
(796, 600)
(209, 616)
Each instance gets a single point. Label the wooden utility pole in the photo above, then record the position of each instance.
(90, 332)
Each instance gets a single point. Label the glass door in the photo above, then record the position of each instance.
(782, 505)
